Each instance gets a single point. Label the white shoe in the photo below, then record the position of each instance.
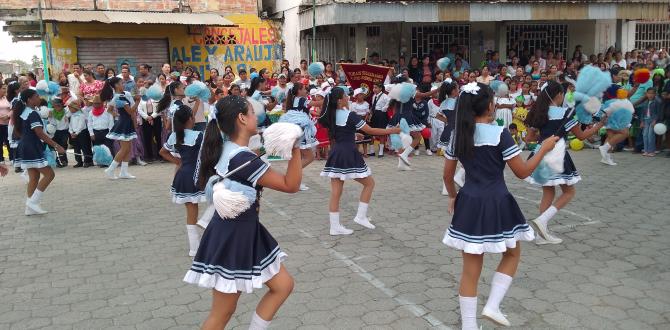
(365, 222)
(540, 228)
(141, 162)
(126, 176)
(403, 167)
(340, 230)
(429, 153)
(609, 157)
(110, 174)
(34, 207)
(496, 316)
(445, 192)
(551, 239)
(607, 161)
(416, 152)
(30, 212)
(192, 253)
(303, 187)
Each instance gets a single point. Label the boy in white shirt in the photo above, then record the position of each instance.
(80, 137)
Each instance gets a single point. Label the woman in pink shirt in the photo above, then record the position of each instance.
(5, 114)
(90, 87)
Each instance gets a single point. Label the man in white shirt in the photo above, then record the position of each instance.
(619, 60)
(75, 78)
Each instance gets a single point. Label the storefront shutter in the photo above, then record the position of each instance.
(113, 52)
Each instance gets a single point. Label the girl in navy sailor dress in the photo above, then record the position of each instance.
(31, 152)
(407, 111)
(124, 127)
(239, 255)
(448, 96)
(181, 149)
(486, 218)
(545, 119)
(297, 103)
(344, 161)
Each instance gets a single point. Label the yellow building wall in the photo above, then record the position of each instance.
(252, 43)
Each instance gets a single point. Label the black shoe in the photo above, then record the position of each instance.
(87, 165)
(77, 165)
(102, 166)
(18, 170)
(380, 156)
(59, 165)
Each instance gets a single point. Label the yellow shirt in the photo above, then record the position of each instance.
(518, 116)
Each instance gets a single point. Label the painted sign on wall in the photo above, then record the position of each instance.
(242, 47)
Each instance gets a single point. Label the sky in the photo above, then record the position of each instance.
(23, 50)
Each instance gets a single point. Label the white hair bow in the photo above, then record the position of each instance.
(471, 88)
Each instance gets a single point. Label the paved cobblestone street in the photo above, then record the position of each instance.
(112, 255)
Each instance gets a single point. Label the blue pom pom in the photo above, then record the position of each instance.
(278, 94)
(50, 157)
(253, 75)
(443, 63)
(121, 102)
(542, 173)
(209, 187)
(407, 92)
(102, 155)
(404, 127)
(619, 119)
(47, 88)
(198, 89)
(495, 84)
(316, 69)
(261, 116)
(154, 92)
(396, 142)
(582, 115)
(54, 88)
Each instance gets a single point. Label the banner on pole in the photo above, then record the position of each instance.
(364, 76)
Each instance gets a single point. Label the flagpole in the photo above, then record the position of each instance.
(45, 66)
(313, 30)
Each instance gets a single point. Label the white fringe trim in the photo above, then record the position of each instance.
(218, 283)
(194, 199)
(488, 247)
(121, 137)
(27, 165)
(555, 182)
(347, 176)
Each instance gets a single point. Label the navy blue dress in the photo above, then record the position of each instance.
(407, 111)
(183, 187)
(557, 116)
(237, 255)
(123, 129)
(448, 108)
(486, 216)
(30, 150)
(344, 161)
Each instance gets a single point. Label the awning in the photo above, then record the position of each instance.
(135, 17)
(23, 25)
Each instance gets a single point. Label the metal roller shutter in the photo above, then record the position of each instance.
(113, 52)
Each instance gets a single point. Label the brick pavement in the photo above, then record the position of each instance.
(112, 254)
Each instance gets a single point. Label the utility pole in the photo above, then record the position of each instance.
(313, 30)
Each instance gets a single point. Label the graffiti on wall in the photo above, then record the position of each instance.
(239, 47)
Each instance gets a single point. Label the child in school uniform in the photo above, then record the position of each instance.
(362, 109)
(422, 114)
(59, 118)
(99, 124)
(486, 218)
(80, 137)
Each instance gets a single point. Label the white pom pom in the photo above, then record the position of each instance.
(255, 142)
(229, 204)
(280, 138)
(554, 158)
(51, 129)
(592, 105)
(406, 140)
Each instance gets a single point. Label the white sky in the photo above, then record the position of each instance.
(17, 51)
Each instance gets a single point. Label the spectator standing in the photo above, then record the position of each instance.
(100, 73)
(127, 81)
(75, 78)
(90, 87)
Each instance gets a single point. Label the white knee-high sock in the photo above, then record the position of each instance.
(113, 165)
(257, 323)
(499, 285)
(335, 220)
(362, 210)
(468, 312)
(193, 233)
(407, 151)
(381, 149)
(124, 167)
(36, 197)
(547, 215)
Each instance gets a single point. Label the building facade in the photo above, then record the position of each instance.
(350, 29)
(203, 33)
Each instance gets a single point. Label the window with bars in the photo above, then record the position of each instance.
(373, 31)
(426, 38)
(537, 36)
(656, 34)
